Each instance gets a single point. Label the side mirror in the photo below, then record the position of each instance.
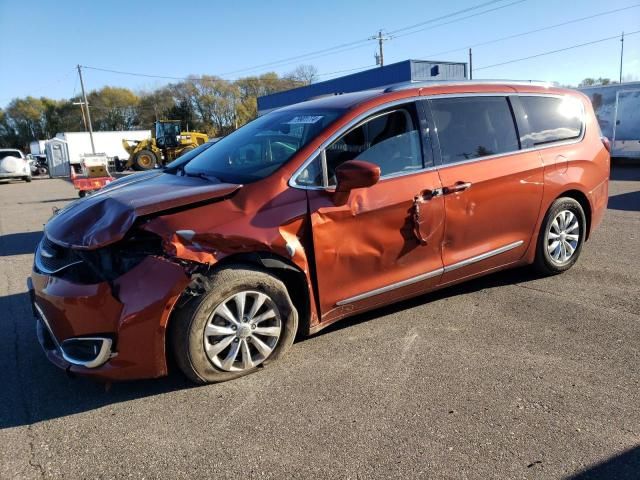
(356, 174)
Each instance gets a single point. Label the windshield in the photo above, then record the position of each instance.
(259, 148)
(10, 153)
(186, 157)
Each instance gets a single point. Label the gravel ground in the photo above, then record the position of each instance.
(508, 376)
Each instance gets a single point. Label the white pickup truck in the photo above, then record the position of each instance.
(13, 164)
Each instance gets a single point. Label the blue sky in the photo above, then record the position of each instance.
(42, 41)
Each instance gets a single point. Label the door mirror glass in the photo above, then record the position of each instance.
(356, 174)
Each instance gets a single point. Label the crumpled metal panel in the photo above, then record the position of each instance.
(369, 241)
(106, 217)
(246, 223)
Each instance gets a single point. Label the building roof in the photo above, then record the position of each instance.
(407, 70)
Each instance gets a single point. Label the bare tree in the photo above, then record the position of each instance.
(305, 74)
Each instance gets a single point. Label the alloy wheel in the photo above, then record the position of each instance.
(242, 331)
(563, 236)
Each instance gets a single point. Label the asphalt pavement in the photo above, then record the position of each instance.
(507, 376)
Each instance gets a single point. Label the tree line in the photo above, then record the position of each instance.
(206, 104)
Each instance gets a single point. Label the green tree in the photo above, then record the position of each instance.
(114, 108)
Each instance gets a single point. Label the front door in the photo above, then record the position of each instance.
(492, 191)
(383, 243)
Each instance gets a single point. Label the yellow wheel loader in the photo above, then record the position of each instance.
(167, 143)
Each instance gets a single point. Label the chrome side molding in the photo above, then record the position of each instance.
(393, 286)
(482, 256)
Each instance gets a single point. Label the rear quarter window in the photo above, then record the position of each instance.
(551, 119)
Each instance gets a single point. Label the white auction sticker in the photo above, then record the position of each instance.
(305, 119)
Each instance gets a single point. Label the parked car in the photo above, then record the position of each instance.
(13, 164)
(313, 213)
(38, 164)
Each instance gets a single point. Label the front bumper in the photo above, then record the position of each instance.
(125, 321)
(62, 354)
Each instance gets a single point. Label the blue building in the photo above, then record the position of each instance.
(406, 71)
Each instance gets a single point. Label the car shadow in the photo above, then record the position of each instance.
(19, 243)
(33, 390)
(498, 279)
(623, 466)
(52, 200)
(629, 202)
(36, 391)
(624, 171)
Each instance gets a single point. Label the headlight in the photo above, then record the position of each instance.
(112, 261)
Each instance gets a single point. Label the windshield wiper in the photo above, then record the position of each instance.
(204, 175)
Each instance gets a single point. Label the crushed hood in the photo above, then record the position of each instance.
(107, 216)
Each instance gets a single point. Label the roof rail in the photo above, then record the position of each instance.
(434, 83)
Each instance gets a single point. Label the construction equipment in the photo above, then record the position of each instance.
(167, 143)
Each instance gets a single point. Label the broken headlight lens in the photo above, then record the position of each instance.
(112, 261)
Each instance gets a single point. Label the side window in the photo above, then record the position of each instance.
(389, 139)
(311, 176)
(551, 119)
(473, 127)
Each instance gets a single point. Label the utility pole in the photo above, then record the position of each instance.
(84, 118)
(381, 39)
(470, 65)
(621, 54)
(86, 105)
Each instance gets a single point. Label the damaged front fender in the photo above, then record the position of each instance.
(209, 234)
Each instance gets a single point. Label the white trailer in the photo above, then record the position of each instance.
(37, 147)
(79, 143)
(617, 108)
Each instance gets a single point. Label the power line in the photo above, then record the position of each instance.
(363, 42)
(47, 86)
(537, 30)
(453, 14)
(555, 51)
(135, 74)
(477, 14)
(345, 71)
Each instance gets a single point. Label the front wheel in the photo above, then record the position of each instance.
(144, 160)
(561, 237)
(243, 319)
(27, 179)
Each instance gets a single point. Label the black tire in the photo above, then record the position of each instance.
(544, 263)
(27, 179)
(185, 150)
(144, 160)
(188, 323)
(82, 193)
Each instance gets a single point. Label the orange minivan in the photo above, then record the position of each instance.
(312, 213)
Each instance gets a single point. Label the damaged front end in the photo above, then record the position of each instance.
(104, 312)
(113, 267)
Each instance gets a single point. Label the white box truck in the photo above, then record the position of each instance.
(617, 108)
(79, 143)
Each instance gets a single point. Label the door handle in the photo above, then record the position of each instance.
(457, 187)
(428, 194)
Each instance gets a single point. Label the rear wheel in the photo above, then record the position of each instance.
(561, 237)
(244, 319)
(26, 179)
(144, 160)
